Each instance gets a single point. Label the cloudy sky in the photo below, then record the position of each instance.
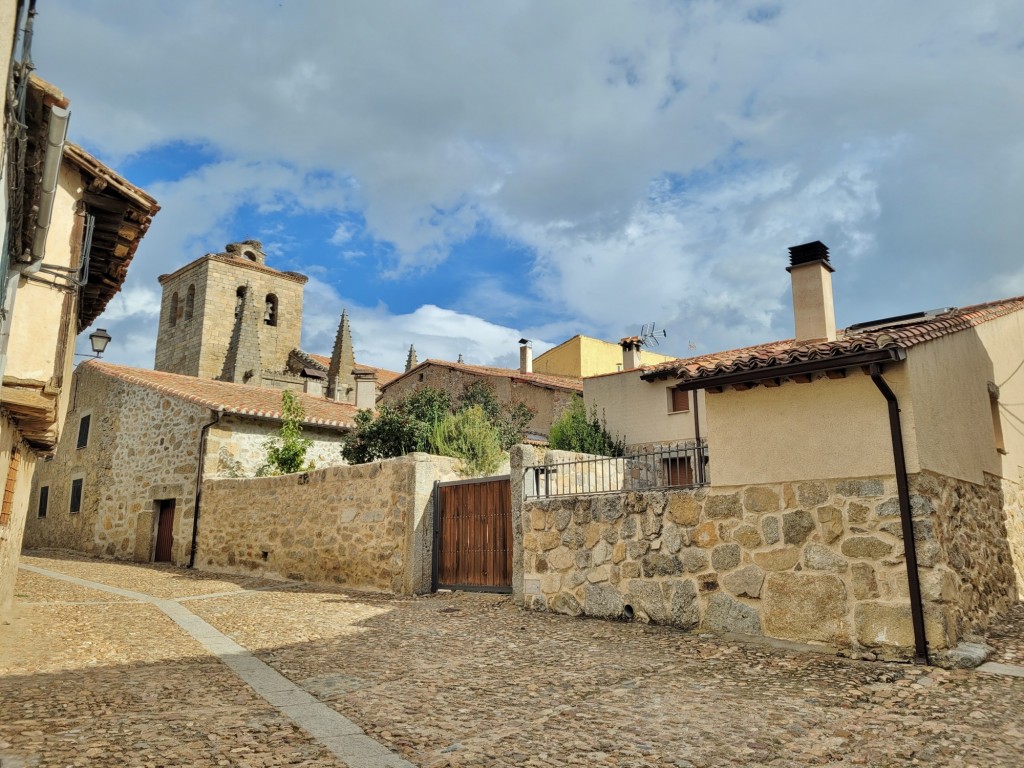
(462, 173)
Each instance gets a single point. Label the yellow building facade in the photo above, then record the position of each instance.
(583, 356)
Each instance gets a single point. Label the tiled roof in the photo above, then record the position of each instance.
(241, 399)
(897, 333)
(548, 380)
(383, 375)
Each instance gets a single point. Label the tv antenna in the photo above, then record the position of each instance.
(649, 334)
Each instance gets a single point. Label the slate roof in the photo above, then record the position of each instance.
(547, 380)
(241, 399)
(896, 333)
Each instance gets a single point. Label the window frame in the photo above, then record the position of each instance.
(672, 400)
(86, 421)
(80, 481)
(43, 502)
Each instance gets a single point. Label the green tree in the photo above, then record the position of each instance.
(510, 419)
(470, 436)
(286, 452)
(574, 431)
(397, 428)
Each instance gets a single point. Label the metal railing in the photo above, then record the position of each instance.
(683, 465)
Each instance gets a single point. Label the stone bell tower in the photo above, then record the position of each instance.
(229, 316)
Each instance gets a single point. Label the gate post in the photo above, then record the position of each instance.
(435, 547)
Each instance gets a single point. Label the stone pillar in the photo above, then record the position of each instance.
(520, 457)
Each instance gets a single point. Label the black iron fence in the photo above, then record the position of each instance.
(683, 465)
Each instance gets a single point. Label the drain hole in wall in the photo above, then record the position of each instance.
(627, 612)
(266, 556)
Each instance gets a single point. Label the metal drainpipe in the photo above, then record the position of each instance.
(906, 518)
(199, 485)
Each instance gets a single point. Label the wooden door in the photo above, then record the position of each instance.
(164, 532)
(473, 535)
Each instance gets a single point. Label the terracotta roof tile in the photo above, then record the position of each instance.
(241, 399)
(384, 376)
(548, 380)
(896, 333)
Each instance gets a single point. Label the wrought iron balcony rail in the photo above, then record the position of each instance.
(683, 465)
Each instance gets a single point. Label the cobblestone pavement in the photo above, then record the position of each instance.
(462, 680)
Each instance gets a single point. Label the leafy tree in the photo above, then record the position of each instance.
(468, 435)
(412, 423)
(286, 452)
(574, 431)
(510, 419)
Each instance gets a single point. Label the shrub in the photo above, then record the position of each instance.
(286, 453)
(470, 436)
(574, 431)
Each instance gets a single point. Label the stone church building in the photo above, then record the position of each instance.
(125, 479)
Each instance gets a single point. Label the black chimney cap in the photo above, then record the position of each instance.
(808, 253)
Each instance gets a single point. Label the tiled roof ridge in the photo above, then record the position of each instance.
(900, 334)
(554, 380)
(311, 358)
(130, 376)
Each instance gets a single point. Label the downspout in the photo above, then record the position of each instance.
(906, 519)
(199, 485)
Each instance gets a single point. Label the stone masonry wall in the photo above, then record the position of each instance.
(235, 447)
(817, 562)
(368, 526)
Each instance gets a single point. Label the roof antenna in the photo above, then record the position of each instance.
(649, 334)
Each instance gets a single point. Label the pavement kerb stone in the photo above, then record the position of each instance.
(339, 734)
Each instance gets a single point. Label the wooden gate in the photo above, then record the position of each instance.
(164, 532)
(473, 535)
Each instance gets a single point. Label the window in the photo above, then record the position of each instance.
(270, 310)
(678, 401)
(12, 481)
(44, 500)
(174, 308)
(190, 302)
(997, 420)
(83, 431)
(239, 301)
(76, 495)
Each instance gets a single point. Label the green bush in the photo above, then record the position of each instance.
(574, 431)
(470, 436)
(286, 453)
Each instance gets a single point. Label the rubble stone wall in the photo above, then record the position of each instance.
(813, 562)
(368, 526)
(236, 446)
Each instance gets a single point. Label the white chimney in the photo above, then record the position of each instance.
(813, 309)
(525, 356)
(630, 352)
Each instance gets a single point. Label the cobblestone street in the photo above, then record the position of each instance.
(89, 677)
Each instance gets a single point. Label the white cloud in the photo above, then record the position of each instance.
(889, 133)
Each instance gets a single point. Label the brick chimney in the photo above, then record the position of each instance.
(813, 310)
(525, 356)
(630, 352)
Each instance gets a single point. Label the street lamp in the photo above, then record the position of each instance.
(99, 340)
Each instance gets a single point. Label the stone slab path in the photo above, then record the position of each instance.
(339, 734)
(97, 677)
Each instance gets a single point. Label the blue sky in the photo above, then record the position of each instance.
(461, 174)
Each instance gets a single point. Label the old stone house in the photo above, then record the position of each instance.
(125, 479)
(546, 394)
(866, 487)
(71, 228)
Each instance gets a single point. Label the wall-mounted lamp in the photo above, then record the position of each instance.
(99, 340)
